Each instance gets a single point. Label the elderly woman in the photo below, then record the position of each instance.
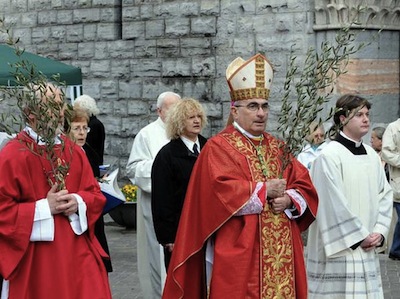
(78, 131)
(315, 143)
(376, 144)
(94, 146)
(172, 168)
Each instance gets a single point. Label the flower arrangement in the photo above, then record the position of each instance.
(130, 192)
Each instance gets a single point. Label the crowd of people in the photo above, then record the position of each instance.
(217, 217)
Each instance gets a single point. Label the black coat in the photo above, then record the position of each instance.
(94, 146)
(170, 176)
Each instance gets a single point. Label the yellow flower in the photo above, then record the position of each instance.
(130, 192)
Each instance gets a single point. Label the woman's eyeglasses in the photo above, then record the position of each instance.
(78, 129)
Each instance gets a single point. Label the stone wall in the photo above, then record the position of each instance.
(132, 50)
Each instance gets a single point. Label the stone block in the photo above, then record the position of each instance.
(168, 47)
(199, 89)
(209, 7)
(245, 24)
(110, 14)
(130, 14)
(70, 4)
(180, 67)
(167, 10)
(213, 110)
(69, 51)
(86, 50)
(38, 5)
(109, 3)
(177, 26)
(139, 107)
(58, 33)
(203, 67)
(146, 12)
(108, 31)
(127, 3)
(154, 28)
(84, 65)
(191, 8)
(131, 89)
(40, 35)
(100, 68)
(146, 68)
(75, 33)
(24, 35)
(109, 90)
(120, 69)
(47, 17)
(105, 106)
(92, 87)
(112, 125)
(271, 4)
(204, 26)
(82, 3)
(86, 15)
(198, 46)
(145, 48)
(90, 32)
(56, 4)
(153, 87)
(244, 46)
(12, 20)
(121, 49)
(17, 6)
(130, 126)
(234, 7)
(65, 16)
(29, 19)
(132, 30)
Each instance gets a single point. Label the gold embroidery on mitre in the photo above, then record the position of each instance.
(249, 93)
(259, 91)
(276, 251)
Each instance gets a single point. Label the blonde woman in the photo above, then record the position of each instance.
(172, 168)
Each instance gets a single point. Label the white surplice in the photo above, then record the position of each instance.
(150, 254)
(354, 201)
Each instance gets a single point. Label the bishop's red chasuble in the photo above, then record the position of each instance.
(255, 256)
(68, 267)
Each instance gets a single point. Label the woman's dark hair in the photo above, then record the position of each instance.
(344, 106)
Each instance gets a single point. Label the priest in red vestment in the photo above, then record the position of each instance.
(47, 242)
(239, 235)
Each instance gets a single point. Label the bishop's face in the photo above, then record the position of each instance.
(251, 115)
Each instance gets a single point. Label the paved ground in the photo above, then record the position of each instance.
(125, 283)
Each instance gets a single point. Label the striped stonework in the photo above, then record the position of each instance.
(370, 76)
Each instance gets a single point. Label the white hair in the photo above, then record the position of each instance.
(162, 96)
(87, 103)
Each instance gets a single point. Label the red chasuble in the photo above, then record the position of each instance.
(255, 256)
(71, 265)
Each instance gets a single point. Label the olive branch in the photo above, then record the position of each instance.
(31, 87)
(313, 89)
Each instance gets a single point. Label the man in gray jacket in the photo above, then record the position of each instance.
(391, 155)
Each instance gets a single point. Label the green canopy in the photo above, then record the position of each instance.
(70, 75)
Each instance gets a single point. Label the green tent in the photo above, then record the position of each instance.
(70, 75)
